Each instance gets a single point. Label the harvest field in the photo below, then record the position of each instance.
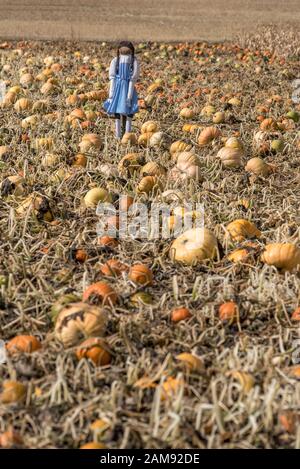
(222, 129)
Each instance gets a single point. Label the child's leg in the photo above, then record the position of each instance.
(123, 124)
(128, 123)
(118, 126)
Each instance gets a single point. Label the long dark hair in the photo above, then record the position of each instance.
(131, 47)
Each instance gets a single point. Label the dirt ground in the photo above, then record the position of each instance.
(161, 20)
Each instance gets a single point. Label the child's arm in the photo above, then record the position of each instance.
(134, 78)
(112, 77)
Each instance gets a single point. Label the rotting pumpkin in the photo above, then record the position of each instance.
(77, 321)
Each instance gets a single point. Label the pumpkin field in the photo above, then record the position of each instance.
(176, 342)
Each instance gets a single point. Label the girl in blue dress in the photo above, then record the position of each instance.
(122, 102)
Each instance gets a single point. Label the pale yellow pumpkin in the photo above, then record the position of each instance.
(284, 256)
(230, 157)
(193, 246)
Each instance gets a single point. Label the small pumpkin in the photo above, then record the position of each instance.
(187, 127)
(238, 255)
(258, 167)
(80, 160)
(77, 114)
(152, 169)
(43, 143)
(144, 139)
(149, 126)
(148, 184)
(190, 361)
(100, 292)
(96, 350)
(234, 142)
(207, 135)
(141, 298)
(90, 142)
(288, 420)
(284, 256)
(77, 321)
(140, 274)
(80, 255)
(245, 379)
(187, 113)
(96, 195)
(12, 185)
(4, 151)
(277, 145)
(180, 314)
(194, 245)
(230, 157)
(186, 170)
(268, 125)
(23, 344)
(228, 311)
(29, 122)
(296, 315)
(10, 439)
(156, 139)
(9, 99)
(186, 157)
(49, 160)
(37, 205)
(93, 445)
(242, 229)
(171, 387)
(48, 88)
(218, 117)
(12, 392)
(107, 241)
(113, 268)
(125, 202)
(179, 146)
(234, 101)
(172, 195)
(207, 110)
(129, 138)
(23, 104)
(130, 163)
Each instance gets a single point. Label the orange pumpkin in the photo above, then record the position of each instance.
(180, 314)
(13, 391)
(288, 420)
(113, 268)
(93, 445)
(296, 314)
(80, 160)
(140, 274)
(107, 241)
(95, 349)
(125, 202)
(10, 439)
(100, 292)
(80, 255)
(228, 311)
(23, 344)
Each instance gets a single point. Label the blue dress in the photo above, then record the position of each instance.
(118, 104)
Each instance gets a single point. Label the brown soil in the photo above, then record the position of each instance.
(141, 20)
